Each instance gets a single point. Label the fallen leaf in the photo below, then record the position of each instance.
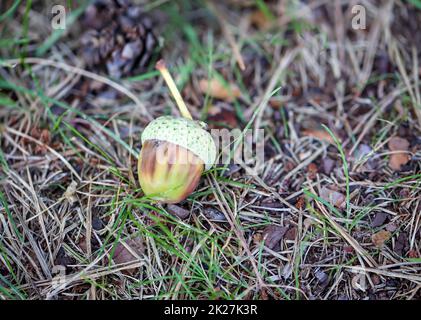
(312, 171)
(333, 197)
(219, 118)
(178, 211)
(223, 120)
(379, 219)
(319, 134)
(399, 159)
(62, 259)
(123, 255)
(358, 282)
(401, 244)
(259, 19)
(398, 144)
(300, 202)
(40, 149)
(291, 234)
(328, 165)
(380, 238)
(35, 133)
(273, 235)
(264, 294)
(83, 245)
(219, 90)
(45, 136)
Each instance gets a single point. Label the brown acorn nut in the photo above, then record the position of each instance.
(175, 152)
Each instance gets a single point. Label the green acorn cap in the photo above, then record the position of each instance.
(184, 132)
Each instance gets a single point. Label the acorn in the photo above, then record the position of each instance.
(175, 152)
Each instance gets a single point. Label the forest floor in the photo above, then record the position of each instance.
(334, 213)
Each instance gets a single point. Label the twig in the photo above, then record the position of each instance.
(160, 65)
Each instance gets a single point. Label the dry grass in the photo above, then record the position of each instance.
(70, 205)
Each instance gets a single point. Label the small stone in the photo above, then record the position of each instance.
(328, 165)
(97, 223)
(178, 211)
(379, 219)
(214, 214)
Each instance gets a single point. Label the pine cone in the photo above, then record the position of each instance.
(122, 47)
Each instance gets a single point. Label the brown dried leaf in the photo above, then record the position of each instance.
(319, 134)
(358, 282)
(312, 170)
(300, 202)
(273, 235)
(45, 136)
(259, 19)
(123, 255)
(380, 238)
(401, 244)
(218, 90)
(333, 197)
(264, 294)
(398, 144)
(221, 118)
(291, 234)
(397, 160)
(40, 149)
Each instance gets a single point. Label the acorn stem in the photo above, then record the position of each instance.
(160, 65)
